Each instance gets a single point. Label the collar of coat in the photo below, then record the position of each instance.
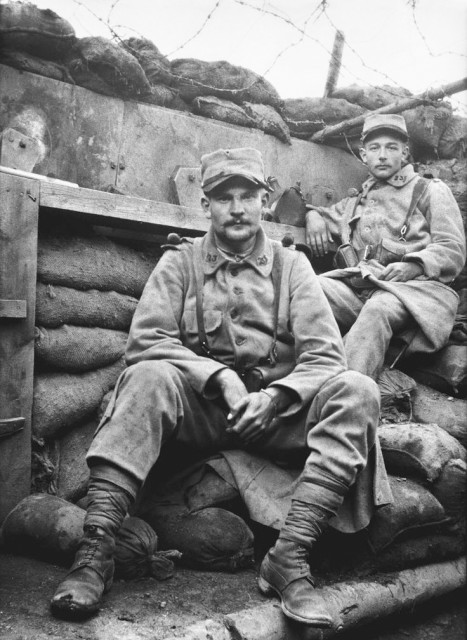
(260, 258)
(398, 180)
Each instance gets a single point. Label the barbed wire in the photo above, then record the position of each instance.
(208, 17)
(320, 9)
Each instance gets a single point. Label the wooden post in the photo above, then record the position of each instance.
(334, 64)
(19, 207)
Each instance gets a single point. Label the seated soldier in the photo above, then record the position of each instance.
(214, 308)
(402, 244)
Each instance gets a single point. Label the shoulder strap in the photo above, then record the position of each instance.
(276, 275)
(199, 283)
(418, 192)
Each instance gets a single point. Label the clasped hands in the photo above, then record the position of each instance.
(251, 415)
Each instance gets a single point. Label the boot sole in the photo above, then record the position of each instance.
(268, 590)
(71, 611)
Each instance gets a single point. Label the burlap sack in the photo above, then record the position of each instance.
(313, 110)
(223, 110)
(57, 305)
(414, 508)
(450, 488)
(445, 370)
(371, 97)
(76, 349)
(221, 79)
(155, 65)
(40, 32)
(453, 141)
(73, 472)
(93, 262)
(211, 539)
(33, 64)
(116, 68)
(418, 450)
(425, 125)
(62, 400)
(268, 120)
(164, 96)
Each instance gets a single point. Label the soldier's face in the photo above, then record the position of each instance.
(384, 155)
(235, 209)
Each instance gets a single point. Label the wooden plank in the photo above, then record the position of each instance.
(137, 213)
(19, 199)
(13, 309)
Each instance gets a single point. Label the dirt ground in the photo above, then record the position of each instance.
(150, 610)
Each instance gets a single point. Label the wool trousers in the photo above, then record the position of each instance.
(154, 402)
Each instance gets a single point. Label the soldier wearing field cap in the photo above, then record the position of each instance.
(400, 244)
(214, 310)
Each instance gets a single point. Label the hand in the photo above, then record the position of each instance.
(317, 234)
(253, 417)
(401, 271)
(230, 386)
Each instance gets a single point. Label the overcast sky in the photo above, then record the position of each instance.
(416, 44)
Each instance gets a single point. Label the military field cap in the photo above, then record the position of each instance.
(220, 165)
(388, 121)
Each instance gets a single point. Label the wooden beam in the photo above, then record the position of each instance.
(110, 209)
(334, 64)
(19, 207)
(394, 107)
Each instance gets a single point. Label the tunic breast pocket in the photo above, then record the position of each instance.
(212, 322)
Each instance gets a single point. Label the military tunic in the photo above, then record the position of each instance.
(166, 390)
(425, 306)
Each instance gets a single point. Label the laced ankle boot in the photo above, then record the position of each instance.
(79, 594)
(285, 570)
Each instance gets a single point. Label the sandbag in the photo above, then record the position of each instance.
(136, 554)
(450, 488)
(50, 528)
(45, 526)
(57, 305)
(305, 116)
(103, 60)
(27, 62)
(445, 370)
(73, 472)
(431, 406)
(212, 539)
(268, 120)
(196, 78)
(93, 262)
(223, 110)
(77, 349)
(420, 450)
(414, 508)
(155, 65)
(62, 400)
(395, 389)
(163, 96)
(425, 125)
(371, 97)
(40, 32)
(453, 140)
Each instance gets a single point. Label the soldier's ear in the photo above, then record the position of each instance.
(363, 154)
(206, 206)
(265, 198)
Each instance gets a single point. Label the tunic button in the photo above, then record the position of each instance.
(234, 272)
(240, 340)
(237, 291)
(234, 313)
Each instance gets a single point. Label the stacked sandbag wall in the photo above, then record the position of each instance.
(40, 41)
(87, 291)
